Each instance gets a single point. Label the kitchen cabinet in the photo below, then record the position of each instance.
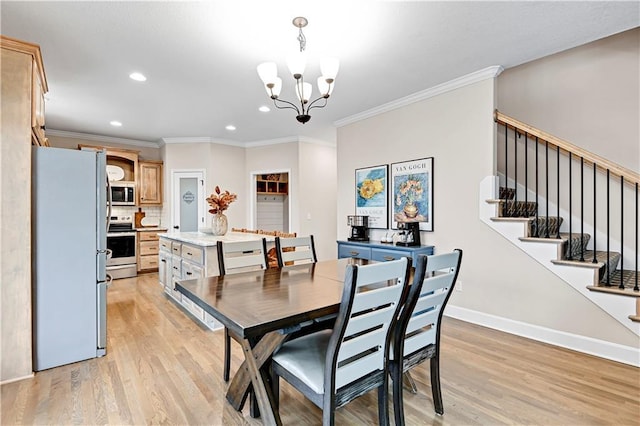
(178, 261)
(20, 61)
(375, 250)
(150, 183)
(148, 250)
(126, 159)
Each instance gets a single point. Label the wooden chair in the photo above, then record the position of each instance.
(417, 333)
(293, 251)
(333, 367)
(234, 257)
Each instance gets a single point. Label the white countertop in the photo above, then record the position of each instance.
(205, 239)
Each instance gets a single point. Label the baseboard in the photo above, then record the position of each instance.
(600, 348)
(17, 379)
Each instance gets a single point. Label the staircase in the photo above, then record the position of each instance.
(574, 212)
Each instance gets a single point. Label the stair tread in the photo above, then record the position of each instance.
(614, 290)
(634, 318)
(511, 219)
(627, 277)
(601, 257)
(564, 237)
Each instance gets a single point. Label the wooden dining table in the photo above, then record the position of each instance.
(263, 308)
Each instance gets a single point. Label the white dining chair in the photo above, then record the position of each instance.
(417, 333)
(333, 367)
(293, 251)
(235, 257)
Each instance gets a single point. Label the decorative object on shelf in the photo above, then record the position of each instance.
(114, 172)
(372, 195)
(412, 193)
(268, 72)
(219, 202)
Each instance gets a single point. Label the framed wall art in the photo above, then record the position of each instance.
(372, 195)
(412, 193)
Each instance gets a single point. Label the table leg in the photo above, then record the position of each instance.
(251, 372)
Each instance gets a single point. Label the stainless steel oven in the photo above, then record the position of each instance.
(121, 242)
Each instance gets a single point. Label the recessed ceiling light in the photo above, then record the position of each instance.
(137, 76)
(264, 108)
(115, 123)
(230, 127)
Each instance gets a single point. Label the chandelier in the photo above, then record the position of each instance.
(268, 72)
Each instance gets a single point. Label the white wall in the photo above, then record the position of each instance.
(457, 129)
(223, 166)
(312, 187)
(589, 96)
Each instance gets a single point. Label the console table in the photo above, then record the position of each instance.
(381, 252)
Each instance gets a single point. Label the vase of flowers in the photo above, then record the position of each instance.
(219, 202)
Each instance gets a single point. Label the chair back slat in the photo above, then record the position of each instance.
(419, 341)
(357, 345)
(295, 250)
(430, 301)
(422, 320)
(359, 342)
(241, 256)
(359, 368)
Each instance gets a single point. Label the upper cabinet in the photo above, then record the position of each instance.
(124, 159)
(36, 82)
(150, 183)
(276, 183)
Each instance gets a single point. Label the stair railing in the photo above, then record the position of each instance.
(600, 165)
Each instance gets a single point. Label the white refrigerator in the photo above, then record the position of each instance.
(69, 249)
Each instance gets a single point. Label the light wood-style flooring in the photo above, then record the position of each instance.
(161, 367)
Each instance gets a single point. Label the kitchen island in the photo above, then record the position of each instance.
(190, 255)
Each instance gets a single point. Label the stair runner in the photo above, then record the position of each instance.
(574, 245)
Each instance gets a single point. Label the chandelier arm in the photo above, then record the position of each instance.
(291, 105)
(311, 105)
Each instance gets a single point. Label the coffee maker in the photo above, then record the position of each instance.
(409, 234)
(359, 228)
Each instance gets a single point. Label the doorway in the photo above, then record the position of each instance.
(270, 200)
(187, 195)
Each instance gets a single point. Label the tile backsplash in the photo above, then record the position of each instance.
(153, 212)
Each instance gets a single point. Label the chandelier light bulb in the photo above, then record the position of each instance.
(306, 89)
(268, 72)
(329, 68)
(325, 88)
(297, 63)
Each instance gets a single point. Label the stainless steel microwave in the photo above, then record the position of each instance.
(123, 193)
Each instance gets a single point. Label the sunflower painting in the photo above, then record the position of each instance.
(371, 195)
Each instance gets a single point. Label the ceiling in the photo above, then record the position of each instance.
(200, 58)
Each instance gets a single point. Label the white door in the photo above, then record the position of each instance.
(189, 201)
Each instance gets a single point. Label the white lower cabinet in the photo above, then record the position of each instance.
(181, 261)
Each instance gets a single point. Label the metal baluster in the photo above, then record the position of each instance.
(526, 173)
(537, 231)
(506, 164)
(581, 209)
(515, 172)
(635, 287)
(558, 188)
(621, 286)
(570, 254)
(546, 174)
(608, 256)
(595, 233)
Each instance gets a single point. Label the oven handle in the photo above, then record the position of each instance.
(121, 234)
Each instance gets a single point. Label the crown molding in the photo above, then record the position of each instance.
(200, 139)
(465, 80)
(102, 139)
(289, 139)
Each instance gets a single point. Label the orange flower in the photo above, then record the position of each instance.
(220, 201)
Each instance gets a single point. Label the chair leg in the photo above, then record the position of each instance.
(398, 403)
(410, 383)
(435, 385)
(383, 401)
(227, 355)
